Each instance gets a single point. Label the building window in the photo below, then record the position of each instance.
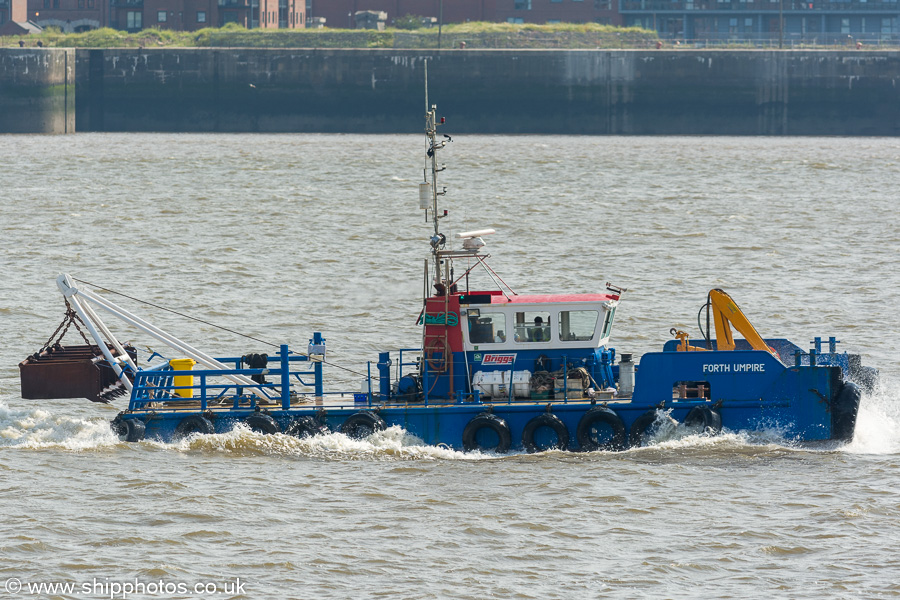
(201, 16)
(518, 20)
(601, 4)
(134, 20)
(556, 1)
(55, 3)
(161, 16)
(46, 3)
(80, 3)
(522, 5)
(90, 3)
(845, 25)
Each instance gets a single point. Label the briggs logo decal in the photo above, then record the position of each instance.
(498, 359)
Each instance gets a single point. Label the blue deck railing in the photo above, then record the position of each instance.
(156, 384)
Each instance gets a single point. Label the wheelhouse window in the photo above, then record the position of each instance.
(532, 326)
(487, 328)
(608, 322)
(577, 325)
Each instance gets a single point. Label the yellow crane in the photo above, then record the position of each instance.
(725, 313)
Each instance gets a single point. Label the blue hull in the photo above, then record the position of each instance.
(748, 391)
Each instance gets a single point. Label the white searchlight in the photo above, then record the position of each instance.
(472, 239)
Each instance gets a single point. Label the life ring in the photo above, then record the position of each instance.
(550, 421)
(491, 422)
(704, 418)
(194, 424)
(262, 423)
(305, 426)
(130, 430)
(647, 426)
(362, 425)
(592, 430)
(843, 412)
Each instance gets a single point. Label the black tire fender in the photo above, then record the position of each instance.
(362, 424)
(545, 420)
(704, 418)
(194, 424)
(844, 409)
(641, 426)
(262, 423)
(600, 415)
(130, 430)
(490, 421)
(305, 426)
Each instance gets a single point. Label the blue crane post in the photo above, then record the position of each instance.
(318, 341)
(285, 378)
(384, 375)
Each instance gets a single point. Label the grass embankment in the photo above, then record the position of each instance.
(475, 35)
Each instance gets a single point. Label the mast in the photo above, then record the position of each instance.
(438, 240)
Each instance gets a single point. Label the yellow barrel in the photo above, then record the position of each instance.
(183, 364)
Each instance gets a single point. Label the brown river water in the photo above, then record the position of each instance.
(277, 236)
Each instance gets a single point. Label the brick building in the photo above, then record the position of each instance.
(803, 21)
(11, 13)
(339, 13)
(787, 21)
(69, 15)
(558, 11)
(181, 15)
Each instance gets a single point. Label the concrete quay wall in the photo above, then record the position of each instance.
(37, 90)
(631, 92)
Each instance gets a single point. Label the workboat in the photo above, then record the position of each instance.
(494, 371)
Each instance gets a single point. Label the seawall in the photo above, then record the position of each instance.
(37, 90)
(631, 92)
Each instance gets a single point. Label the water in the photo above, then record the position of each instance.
(277, 236)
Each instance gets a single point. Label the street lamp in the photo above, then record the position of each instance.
(440, 22)
(780, 24)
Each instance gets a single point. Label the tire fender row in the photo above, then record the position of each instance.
(600, 428)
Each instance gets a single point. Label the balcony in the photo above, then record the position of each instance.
(759, 5)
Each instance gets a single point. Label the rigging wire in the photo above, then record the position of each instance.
(180, 314)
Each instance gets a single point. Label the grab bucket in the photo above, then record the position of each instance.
(183, 364)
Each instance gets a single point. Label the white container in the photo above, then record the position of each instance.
(495, 384)
(626, 375)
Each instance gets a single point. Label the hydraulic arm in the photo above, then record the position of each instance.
(726, 313)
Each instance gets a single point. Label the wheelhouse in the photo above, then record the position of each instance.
(553, 322)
